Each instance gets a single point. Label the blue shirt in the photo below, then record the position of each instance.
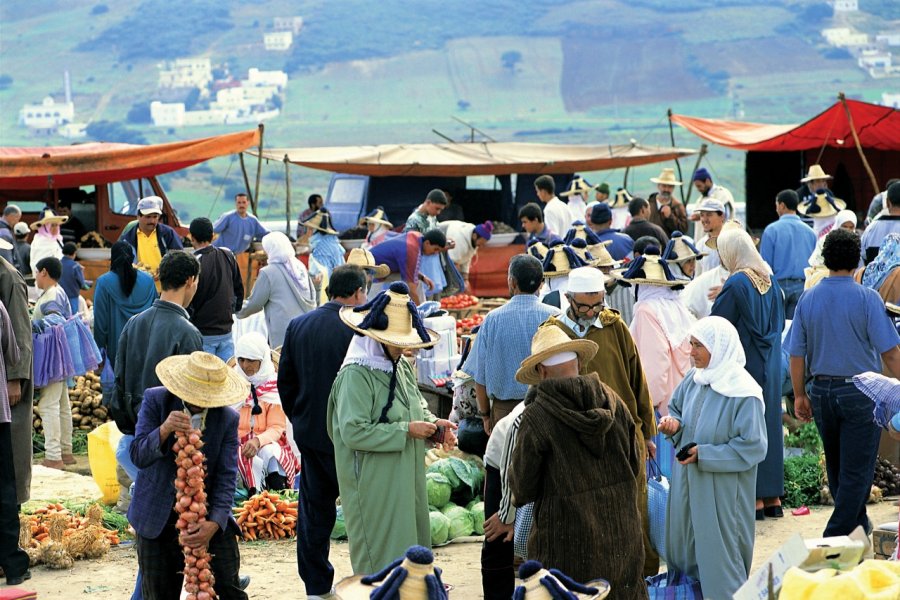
(236, 233)
(786, 245)
(72, 279)
(622, 245)
(841, 329)
(504, 341)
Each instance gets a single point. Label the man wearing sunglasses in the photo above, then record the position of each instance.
(616, 363)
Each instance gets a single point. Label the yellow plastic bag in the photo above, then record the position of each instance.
(102, 444)
(871, 580)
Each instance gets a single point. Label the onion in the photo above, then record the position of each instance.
(198, 459)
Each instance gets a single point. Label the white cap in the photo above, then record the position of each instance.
(559, 358)
(150, 205)
(711, 205)
(21, 228)
(586, 280)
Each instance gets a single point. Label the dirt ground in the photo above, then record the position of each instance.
(272, 565)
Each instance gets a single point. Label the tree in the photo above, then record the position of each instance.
(139, 113)
(113, 131)
(5, 82)
(510, 59)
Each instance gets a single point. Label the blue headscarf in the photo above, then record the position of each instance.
(888, 258)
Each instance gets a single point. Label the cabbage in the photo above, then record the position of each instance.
(461, 522)
(440, 527)
(445, 468)
(339, 531)
(473, 502)
(438, 489)
(477, 510)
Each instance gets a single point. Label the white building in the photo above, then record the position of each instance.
(167, 114)
(846, 5)
(292, 24)
(185, 73)
(72, 131)
(239, 97)
(256, 78)
(892, 100)
(47, 115)
(843, 37)
(891, 38)
(278, 41)
(880, 61)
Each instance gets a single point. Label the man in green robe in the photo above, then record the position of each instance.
(379, 433)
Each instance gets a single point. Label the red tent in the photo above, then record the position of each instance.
(779, 155)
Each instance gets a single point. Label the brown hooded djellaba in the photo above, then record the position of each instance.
(577, 459)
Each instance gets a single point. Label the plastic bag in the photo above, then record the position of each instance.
(102, 444)
(657, 498)
(673, 585)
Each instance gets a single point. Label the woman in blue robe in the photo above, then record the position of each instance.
(753, 302)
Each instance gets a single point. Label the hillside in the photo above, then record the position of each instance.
(368, 72)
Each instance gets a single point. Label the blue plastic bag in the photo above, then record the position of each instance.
(107, 379)
(673, 585)
(657, 499)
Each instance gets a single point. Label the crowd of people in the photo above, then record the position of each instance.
(625, 344)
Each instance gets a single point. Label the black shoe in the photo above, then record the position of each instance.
(244, 582)
(276, 481)
(760, 514)
(18, 579)
(774, 512)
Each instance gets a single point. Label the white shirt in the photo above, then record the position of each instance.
(708, 262)
(694, 295)
(461, 233)
(557, 217)
(577, 208)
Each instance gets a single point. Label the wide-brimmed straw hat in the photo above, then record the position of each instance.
(621, 199)
(376, 216)
(648, 269)
(560, 259)
(824, 205)
(667, 177)
(549, 341)
(579, 231)
(539, 583)
(363, 258)
(391, 318)
(48, 217)
(815, 172)
(537, 249)
(602, 257)
(419, 580)
(681, 249)
(320, 221)
(202, 379)
(578, 187)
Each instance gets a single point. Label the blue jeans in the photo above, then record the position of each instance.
(220, 345)
(843, 417)
(123, 456)
(792, 289)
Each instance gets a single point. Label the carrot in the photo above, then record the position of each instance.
(42, 536)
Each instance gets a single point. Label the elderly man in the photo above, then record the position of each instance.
(467, 239)
(712, 218)
(150, 238)
(704, 184)
(424, 218)
(12, 214)
(617, 364)
(574, 424)
(503, 340)
(787, 245)
(237, 228)
(665, 210)
(556, 213)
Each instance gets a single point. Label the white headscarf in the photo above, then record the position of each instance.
(369, 353)
(725, 373)
(738, 253)
(844, 216)
(280, 251)
(670, 310)
(253, 346)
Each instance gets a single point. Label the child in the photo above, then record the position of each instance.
(72, 280)
(54, 407)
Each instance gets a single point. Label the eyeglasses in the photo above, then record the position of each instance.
(586, 308)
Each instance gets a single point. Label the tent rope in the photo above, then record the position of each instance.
(221, 187)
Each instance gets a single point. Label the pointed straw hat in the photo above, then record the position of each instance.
(824, 205)
(621, 199)
(413, 577)
(815, 172)
(680, 249)
(602, 257)
(578, 187)
(363, 258)
(376, 216)
(539, 583)
(320, 221)
(48, 217)
(549, 341)
(202, 379)
(649, 269)
(561, 259)
(667, 177)
(537, 249)
(391, 318)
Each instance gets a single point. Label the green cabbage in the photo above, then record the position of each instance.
(477, 510)
(445, 468)
(461, 522)
(438, 488)
(473, 502)
(339, 531)
(440, 527)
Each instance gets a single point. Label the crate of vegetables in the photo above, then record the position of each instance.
(460, 305)
(465, 325)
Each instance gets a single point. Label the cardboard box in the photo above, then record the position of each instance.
(841, 552)
(884, 540)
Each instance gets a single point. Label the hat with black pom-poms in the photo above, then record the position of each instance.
(539, 583)
(560, 260)
(391, 318)
(649, 269)
(413, 577)
(681, 248)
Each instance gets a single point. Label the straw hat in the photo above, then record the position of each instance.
(48, 217)
(548, 341)
(824, 205)
(621, 199)
(681, 249)
(539, 583)
(648, 269)
(711, 242)
(667, 177)
(580, 231)
(202, 379)
(376, 216)
(421, 580)
(390, 318)
(537, 249)
(602, 257)
(578, 187)
(363, 258)
(320, 221)
(815, 172)
(561, 259)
